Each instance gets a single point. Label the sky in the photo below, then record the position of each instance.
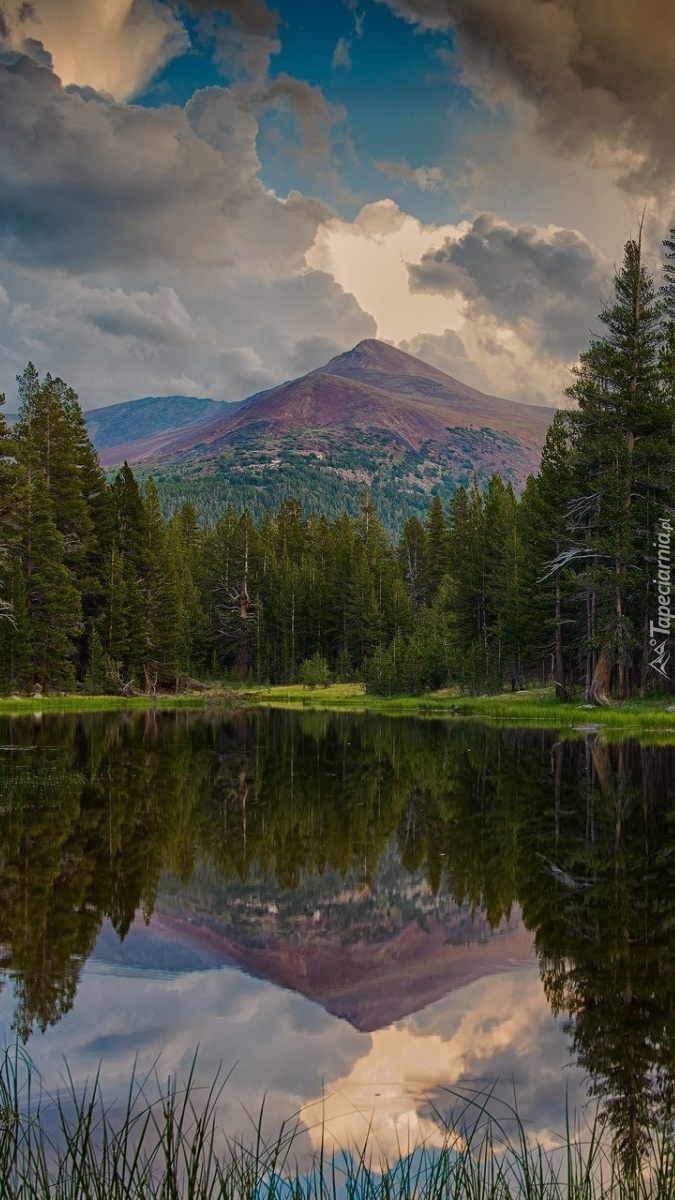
(208, 198)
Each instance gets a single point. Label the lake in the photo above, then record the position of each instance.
(368, 921)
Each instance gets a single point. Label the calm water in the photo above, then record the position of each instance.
(364, 918)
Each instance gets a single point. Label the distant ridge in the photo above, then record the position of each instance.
(149, 417)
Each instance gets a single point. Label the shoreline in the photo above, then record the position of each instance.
(534, 708)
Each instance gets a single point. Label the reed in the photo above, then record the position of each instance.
(165, 1144)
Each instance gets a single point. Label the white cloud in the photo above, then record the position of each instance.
(342, 54)
(428, 179)
(368, 258)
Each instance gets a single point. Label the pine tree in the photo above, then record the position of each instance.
(15, 651)
(184, 542)
(237, 610)
(8, 479)
(622, 432)
(437, 548)
(466, 560)
(504, 599)
(551, 596)
(411, 554)
(53, 607)
(667, 342)
(124, 631)
(161, 601)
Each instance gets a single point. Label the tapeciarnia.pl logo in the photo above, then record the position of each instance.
(659, 630)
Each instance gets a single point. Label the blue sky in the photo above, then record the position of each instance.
(209, 197)
(402, 101)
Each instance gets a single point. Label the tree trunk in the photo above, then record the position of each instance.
(601, 680)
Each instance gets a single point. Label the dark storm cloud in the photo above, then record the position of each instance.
(87, 182)
(158, 319)
(601, 73)
(26, 12)
(140, 246)
(550, 277)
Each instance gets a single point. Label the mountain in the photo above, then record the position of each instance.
(151, 417)
(373, 416)
(137, 422)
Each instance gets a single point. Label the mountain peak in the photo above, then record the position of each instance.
(373, 355)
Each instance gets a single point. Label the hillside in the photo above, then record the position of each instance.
(373, 416)
(141, 422)
(147, 418)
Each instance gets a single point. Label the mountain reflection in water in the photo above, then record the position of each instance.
(372, 865)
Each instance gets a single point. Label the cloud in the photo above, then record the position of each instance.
(342, 54)
(505, 308)
(90, 184)
(368, 257)
(428, 179)
(113, 46)
(251, 16)
(139, 245)
(244, 56)
(157, 318)
(601, 78)
(312, 352)
(244, 372)
(314, 115)
(552, 277)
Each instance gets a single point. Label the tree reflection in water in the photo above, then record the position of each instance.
(96, 810)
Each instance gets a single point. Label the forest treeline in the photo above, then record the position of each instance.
(562, 584)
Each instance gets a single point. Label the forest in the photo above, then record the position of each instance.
(100, 592)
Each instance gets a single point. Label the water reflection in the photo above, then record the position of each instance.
(373, 866)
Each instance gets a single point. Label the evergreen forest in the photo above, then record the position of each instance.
(100, 592)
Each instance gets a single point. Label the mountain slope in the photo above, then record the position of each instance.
(149, 417)
(373, 387)
(373, 416)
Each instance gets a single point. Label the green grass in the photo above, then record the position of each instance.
(535, 707)
(15, 706)
(167, 1145)
(532, 707)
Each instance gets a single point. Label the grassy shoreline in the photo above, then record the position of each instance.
(535, 707)
(12, 706)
